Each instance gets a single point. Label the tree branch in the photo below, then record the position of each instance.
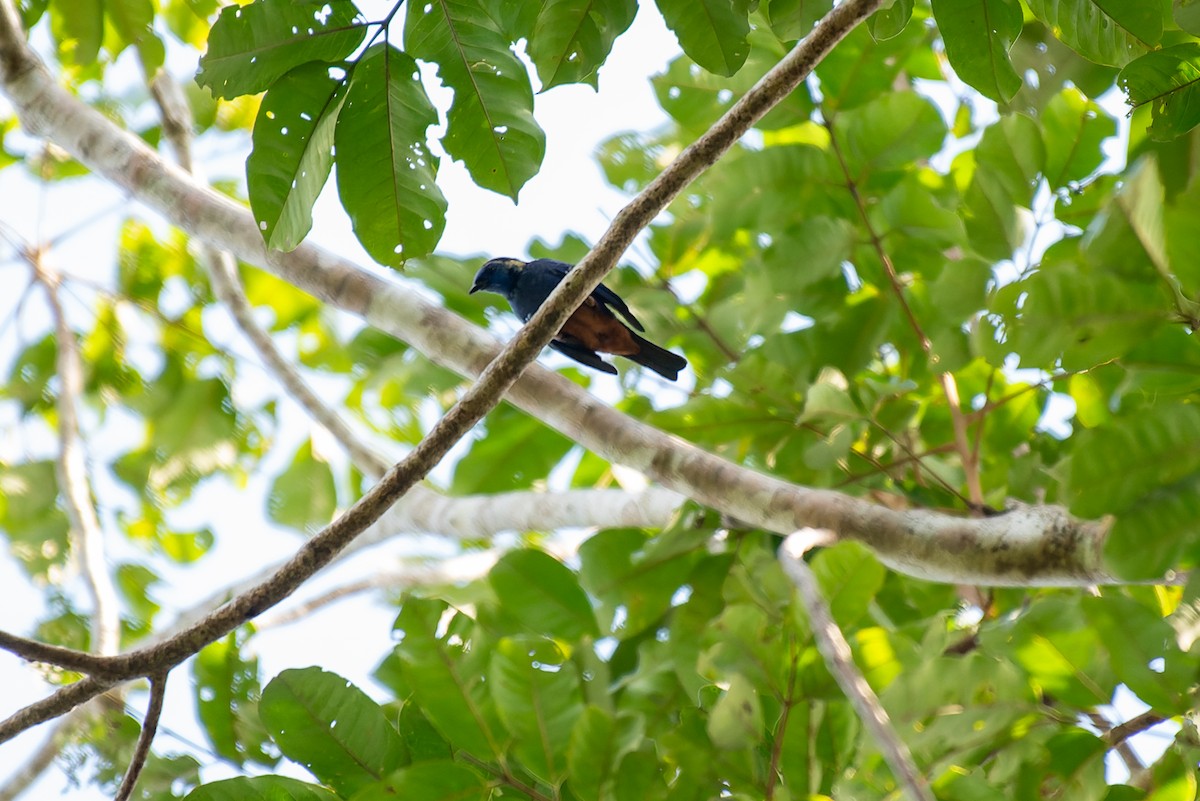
(52, 706)
(833, 646)
(71, 466)
(1031, 546)
(158, 690)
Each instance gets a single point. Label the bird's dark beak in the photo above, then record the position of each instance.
(475, 289)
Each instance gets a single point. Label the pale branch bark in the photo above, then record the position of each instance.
(831, 642)
(158, 690)
(1031, 546)
(87, 534)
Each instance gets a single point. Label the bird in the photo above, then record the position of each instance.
(591, 330)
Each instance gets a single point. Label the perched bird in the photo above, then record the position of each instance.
(591, 330)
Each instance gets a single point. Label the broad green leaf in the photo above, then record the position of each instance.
(1187, 15)
(331, 727)
(889, 133)
(132, 22)
(793, 19)
(227, 689)
(1113, 32)
(978, 35)
(1062, 653)
(490, 127)
(1114, 466)
(1004, 170)
(711, 32)
(593, 752)
(860, 69)
(261, 788)
(516, 451)
(292, 152)
(251, 46)
(574, 37)
(304, 496)
(1169, 80)
(1150, 537)
(442, 780)
(850, 576)
(543, 595)
(36, 529)
(78, 29)
(447, 679)
(888, 22)
(1183, 247)
(1073, 128)
(536, 690)
(1135, 637)
(386, 175)
(910, 208)
(736, 721)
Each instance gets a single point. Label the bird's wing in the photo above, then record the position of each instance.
(582, 355)
(610, 298)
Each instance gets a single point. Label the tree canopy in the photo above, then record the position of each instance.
(934, 267)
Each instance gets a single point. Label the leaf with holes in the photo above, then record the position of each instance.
(332, 728)
(1113, 32)
(572, 38)
(293, 152)
(490, 127)
(251, 46)
(978, 36)
(1169, 80)
(386, 175)
(712, 32)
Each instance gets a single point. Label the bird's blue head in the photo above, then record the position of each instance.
(498, 275)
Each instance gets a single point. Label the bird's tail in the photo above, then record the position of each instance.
(660, 360)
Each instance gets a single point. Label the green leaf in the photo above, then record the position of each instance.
(543, 595)
(850, 576)
(593, 752)
(1169, 80)
(251, 46)
(227, 690)
(36, 529)
(736, 721)
(1061, 652)
(574, 37)
(1113, 32)
(536, 690)
(78, 29)
(132, 21)
(1187, 15)
(331, 727)
(260, 788)
(441, 780)
(490, 127)
(1148, 539)
(891, 21)
(1135, 637)
(446, 678)
(304, 496)
(293, 152)
(1114, 466)
(516, 451)
(711, 32)
(890, 133)
(978, 36)
(1073, 129)
(386, 176)
(793, 19)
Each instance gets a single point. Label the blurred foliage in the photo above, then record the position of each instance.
(960, 156)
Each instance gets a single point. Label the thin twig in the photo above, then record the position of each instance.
(1132, 762)
(1135, 725)
(833, 646)
(158, 690)
(949, 386)
(52, 706)
(72, 472)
